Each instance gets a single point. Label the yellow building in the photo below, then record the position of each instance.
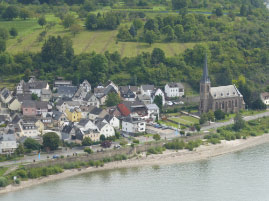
(73, 115)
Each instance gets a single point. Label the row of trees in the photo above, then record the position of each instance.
(12, 12)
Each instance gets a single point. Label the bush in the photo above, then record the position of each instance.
(136, 141)
(175, 144)
(88, 150)
(17, 181)
(156, 150)
(3, 182)
(182, 132)
(22, 173)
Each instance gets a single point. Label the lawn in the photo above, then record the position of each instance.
(3, 170)
(186, 120)
(167, 123)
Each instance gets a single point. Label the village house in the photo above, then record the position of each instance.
(34, 86)
(158, 92)
(147, 89)
(133, 125)
(14, 104)
(225, 98)
(113, 121)
(145, 98)
(5, 95)
(85, 111)
(128, 93)
(58, 119)
(94, 134)
(63, 105)
(86, 124)
(153, 112)
(105, 129)
(97, 113)
(91, 100)
(61, 82)
(133, 108)
(66, 91)
(29, 108)
(8, 143)
(46, 95)
(174, 89)
(265, 98)
(73, 115)
(68, 132)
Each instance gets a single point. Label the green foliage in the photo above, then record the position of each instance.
(13, 32)
(34, 96)
(193, 144)
(42, 21)
(3, 182)
(68, 21)
(239, 123)
(156, 137)
(3, 33)
(87, 141)
(88, 150)
(203, 118)
(20, 150)
(158, 100)
(155, 150)
(136, 141)
(10, 13)
(219, 114)
(2, 45)
(102, 138)
(32, 144)
(258, 105)
(51, 141)
(175, 144)
(112, 99)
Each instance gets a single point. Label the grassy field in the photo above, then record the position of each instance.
(85, 41)
(186, 120)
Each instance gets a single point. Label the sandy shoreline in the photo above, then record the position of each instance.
(168, 157)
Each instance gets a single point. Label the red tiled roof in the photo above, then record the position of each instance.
(123, 109)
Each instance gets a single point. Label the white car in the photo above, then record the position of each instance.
(169, 103)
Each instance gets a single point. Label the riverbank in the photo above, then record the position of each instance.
(168, 157)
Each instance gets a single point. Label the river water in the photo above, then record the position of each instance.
(241, 176)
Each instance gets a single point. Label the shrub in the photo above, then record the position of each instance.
(22, 173)
(136, 141)
(88, 150)
(3, 182)
(17, 181)
(175, 144)
(156, 150)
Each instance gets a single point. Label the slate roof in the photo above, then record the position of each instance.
(83, 122)
(67, 90)
(176, 85)
(68, 128)
(28, 104)
(133, 119)
(41, 105)
(100, 124)
(5, 92)
(265, 95)
(45, 92)
(152, 107)
(24, 97)
(147, 87)
(124, 89)
(96, 111)
(224, 92)
(37, 84)
(205, 77)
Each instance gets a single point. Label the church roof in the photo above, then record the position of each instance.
(229, 91)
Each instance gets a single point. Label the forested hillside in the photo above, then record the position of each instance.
(233, 33)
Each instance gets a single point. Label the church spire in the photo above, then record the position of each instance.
(205, 77)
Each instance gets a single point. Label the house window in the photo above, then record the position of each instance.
(235, 103)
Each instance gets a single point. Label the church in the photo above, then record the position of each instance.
(226, 98)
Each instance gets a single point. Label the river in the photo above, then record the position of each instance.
(241, 176)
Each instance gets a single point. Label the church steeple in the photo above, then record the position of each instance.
(205, 78)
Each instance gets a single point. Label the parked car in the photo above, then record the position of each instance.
(55, 156)
(169, 103)
(117, 146)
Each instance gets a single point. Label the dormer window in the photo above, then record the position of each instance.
(228, 94)
(221, 94)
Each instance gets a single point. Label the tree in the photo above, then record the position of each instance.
(179, 4)
(150, 25)
(137, 23)
(32, 144)
(68, 21)
(124, 33)
(13, 32)
(150, 37)
(218, 12)
(86, 141)
(34, 96)
(106, 144)
(243, 10)
(10, 13)
(88, 150)
(179, 31)
(51, 141)
(203, 118)
(112, 99)
(3, 33)
(156, 137)
(91, 22)
(20, 150)
(158, 100)
(102, 138)
(258, 105)
(42, 21)
(25, 13)
(2, 45)
(157, 56)
(210, 115)
(75, 29)
(132, 31)
(239, 122)
(219, 114)
(53, 49)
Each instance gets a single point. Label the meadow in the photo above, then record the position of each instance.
(83, 42)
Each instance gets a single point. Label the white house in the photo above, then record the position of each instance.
(86, 124)
(113, 121)
(158, 92)
(8, 142)
(174, 90)
(265, 98)
(153, 111)
(105, 129)
(147, 89)
(133, 125)
(91, 100)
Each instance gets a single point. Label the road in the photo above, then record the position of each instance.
(231, 121)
